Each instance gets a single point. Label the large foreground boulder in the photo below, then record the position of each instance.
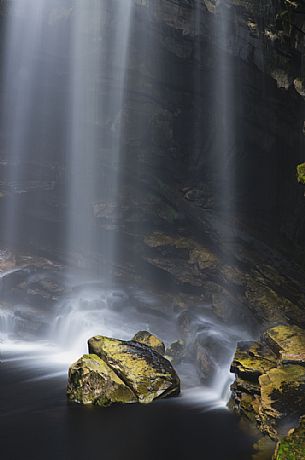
(121, 371)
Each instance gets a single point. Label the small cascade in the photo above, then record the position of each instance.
(7, 324)
(84, 315)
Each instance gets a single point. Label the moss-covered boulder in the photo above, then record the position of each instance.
(92, 381)
(269, 387)
(151, 340)
(292, 447)
(118, 371)
(146, 372)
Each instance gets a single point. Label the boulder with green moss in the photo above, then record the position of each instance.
(118, 371)
(269, 387)
(292, 447)
(145, 371)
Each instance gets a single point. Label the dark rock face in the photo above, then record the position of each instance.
(166, 119)
(120, 371)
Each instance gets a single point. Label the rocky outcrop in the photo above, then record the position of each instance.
(269, 387)
(117, 371)
(292, 447)
(234, 279)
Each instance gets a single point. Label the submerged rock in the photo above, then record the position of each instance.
(117, 371)
(292, 447)
(175, 352)
(150, 340)
(269, 388)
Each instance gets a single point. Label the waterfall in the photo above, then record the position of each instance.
(224, 112)
(21, 73)
(76, 109)
(75, 113)
(99, 47)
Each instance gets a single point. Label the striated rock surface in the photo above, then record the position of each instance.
(117, 371)
(292, 447)
(269, 388)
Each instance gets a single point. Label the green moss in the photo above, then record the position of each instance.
(293, 446)
(301, 173)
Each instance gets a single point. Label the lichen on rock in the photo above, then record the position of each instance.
(92, 381)
(144, 370)
(117, 371)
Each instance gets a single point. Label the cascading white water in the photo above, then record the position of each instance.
(223, 109)
(99, 48)
(98, 51)
(21, 73)
(221, 100)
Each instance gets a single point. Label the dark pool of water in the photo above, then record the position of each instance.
(37, 422)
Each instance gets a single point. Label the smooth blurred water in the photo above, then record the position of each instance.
(40, 361)
(97, 48)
